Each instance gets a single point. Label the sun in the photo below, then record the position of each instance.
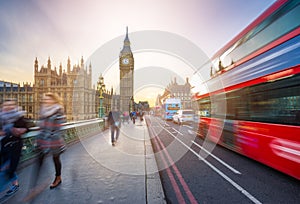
(148, 93)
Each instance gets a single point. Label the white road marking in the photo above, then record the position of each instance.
(176, 131)
(188, 126)
(234, 184)
(218, 159)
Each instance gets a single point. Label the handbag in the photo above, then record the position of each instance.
(117, 123)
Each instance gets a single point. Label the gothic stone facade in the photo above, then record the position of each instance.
(23, 93)
(126, 63)
(74, 86)
(180, 91)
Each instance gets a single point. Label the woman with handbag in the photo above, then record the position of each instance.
(50, 139)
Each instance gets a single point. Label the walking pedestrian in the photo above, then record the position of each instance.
(114, 120)
(141, 114)
(13, 125)
(133, 116)
(126, 117)
(50, 140)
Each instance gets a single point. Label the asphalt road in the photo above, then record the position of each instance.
(197, 171)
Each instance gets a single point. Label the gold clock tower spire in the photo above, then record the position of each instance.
(126, 62)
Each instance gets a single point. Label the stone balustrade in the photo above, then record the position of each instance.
(73, 132)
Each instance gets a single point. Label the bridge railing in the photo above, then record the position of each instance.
(73, 131)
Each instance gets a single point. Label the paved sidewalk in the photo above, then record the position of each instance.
(96, 172)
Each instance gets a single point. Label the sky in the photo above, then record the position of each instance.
(83, 28)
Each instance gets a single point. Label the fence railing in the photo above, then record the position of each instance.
(73, 131)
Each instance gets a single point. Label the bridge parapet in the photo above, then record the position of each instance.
(73, 131)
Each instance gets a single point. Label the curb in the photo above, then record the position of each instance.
(154, 189)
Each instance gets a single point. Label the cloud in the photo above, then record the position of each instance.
(62, 28)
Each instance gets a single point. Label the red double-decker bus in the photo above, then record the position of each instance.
(252, 102)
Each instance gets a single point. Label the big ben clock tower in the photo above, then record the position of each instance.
(126, 62)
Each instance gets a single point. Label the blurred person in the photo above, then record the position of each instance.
(50, 140)
(141, 114)
(13, 125)
(133, 116)
(126, 117)
(114, 119)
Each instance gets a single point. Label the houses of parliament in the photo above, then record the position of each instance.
(73, 85)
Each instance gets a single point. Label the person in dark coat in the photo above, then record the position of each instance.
(13, 125)
(114, 120)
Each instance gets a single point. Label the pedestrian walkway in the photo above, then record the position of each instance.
(96, 172)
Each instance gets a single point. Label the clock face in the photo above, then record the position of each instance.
(125, 61)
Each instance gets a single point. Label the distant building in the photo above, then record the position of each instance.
(24, 95)
(175, 90)
(73, 85)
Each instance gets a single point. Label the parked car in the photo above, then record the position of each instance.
(184, 116)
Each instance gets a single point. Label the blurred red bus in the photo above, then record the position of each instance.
(259, 71)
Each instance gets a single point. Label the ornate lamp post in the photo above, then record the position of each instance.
(100, 88)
